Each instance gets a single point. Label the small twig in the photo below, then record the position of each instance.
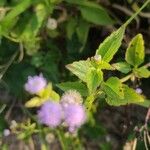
(126, 78)
(127, 12)
(145, 141)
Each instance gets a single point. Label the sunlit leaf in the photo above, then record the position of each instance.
(130, 97)
(135, 51)
(142, 72)
(113, 88)
(111, 44)
(80, 68)
(94, 78)
(122, 67)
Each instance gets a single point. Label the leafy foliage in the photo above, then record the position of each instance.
(44, 36)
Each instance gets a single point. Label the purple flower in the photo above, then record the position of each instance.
(50, 114)
(35, 84)
(138, 90)
(74, 116)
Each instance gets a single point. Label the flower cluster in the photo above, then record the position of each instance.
(68, 111)
(72, 113)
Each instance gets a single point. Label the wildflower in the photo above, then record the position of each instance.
(50, 114)
(6, 132)
(51, 24)
(71, 97)
(35, 84)
(138, 90)
(74, 116)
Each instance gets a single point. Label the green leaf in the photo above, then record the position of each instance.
(111, 44)
(113, 88)
(122, 67)
(95, 14)
(71, 27)
(130, 96)
(80, 68)
(146, 103)
(94, 78)
(104, 65)
(92, 12)
(135, 51)
(82, 31)
(78, 86)
(142, 72)
(10, 19)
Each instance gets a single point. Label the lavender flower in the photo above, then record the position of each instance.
(71, 97)
(74, 116)
(35, 84)
(138, 90)
(50, 114)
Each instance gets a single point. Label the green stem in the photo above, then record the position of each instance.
(59, 134)
(136, 13)
(126, 78)
(43, 143)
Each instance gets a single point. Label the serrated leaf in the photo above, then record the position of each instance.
(130, 96)
(94, 78)
(113, 88)
(92, 12)
(135, 51)
(80, 68)
(78, 86)
(111, 44)
(122, 67)
(142, 72)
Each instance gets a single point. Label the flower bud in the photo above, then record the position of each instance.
(71, 97)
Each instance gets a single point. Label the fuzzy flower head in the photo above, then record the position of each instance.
(50, 114)
(138, 90)
(71, 97)
(74, 116)
(35, 84)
